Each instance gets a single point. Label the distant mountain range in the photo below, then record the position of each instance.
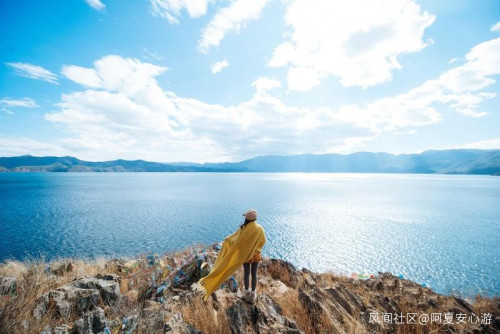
(458, 161)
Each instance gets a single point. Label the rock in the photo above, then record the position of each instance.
(109, 290)
(115, 264)
(350, 301)
(80, 295)
(282, 270)
(274, 287)
(330, 307)
(63, 306)
(63, 329)
(109, 277)
(176, 324)
(87, 299)
(41, 308)
(129, 324)
(182, 328)
(8, 284)
(62, 268)
(463, 304)
(25, 325)
(386, 304)
(91, 322)
(264, 317)
(309, 281)
(325, 304)
(314, 308)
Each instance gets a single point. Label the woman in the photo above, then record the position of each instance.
(243, 247)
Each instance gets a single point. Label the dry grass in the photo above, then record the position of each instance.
(292, 308)
(33, 281)
(204, 316)
(486, 305)
(331, 278)
(279, 272)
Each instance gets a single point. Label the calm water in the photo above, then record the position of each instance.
(440, 230)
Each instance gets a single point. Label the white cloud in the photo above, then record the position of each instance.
(233, 17)
(263, 84)
(128, 115)
(151, 56)
(81, 75)
(491, 144)
(96, 4)
(114, 73)
(482, 62)
(495, 27)
(171, 9)
(357, 41)
(33, 72)
(409, 132)
(217, 67)
(303, 78)
(7, 103)
(22, 146)
(460, 88)
(24, 102)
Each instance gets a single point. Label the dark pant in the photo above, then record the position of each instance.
(247, 267)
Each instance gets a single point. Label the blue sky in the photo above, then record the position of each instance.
(200, 80)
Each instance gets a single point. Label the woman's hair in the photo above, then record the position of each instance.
(246, 222)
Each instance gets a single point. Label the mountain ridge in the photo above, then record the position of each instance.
(453, 161)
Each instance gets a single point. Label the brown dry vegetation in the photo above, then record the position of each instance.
(32, 282)
(209, 317)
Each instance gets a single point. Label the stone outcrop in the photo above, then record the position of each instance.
(81, 295)
(263, 317)
(160, 295)
(91, 322)
(7, 285)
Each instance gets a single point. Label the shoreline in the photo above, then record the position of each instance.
(154, 293)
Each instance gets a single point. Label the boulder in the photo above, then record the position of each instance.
(91, 322)
(176, 324)
(62, 329)
(264, 317)
(129, 324)
(109, 290)
(109, 277)
(329, 307)
(62, 268)
(350, 301)
(115, 265)
(281, 270)
(8, 285)
(81, 295)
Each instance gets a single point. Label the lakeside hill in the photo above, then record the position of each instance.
(457, 161)
(153, 294)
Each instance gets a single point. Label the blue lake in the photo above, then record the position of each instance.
(441, 230)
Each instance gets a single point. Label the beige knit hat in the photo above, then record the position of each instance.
(250, 215)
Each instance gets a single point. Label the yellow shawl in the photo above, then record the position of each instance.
(237, 249)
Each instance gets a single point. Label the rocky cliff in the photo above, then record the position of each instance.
(153, 294)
